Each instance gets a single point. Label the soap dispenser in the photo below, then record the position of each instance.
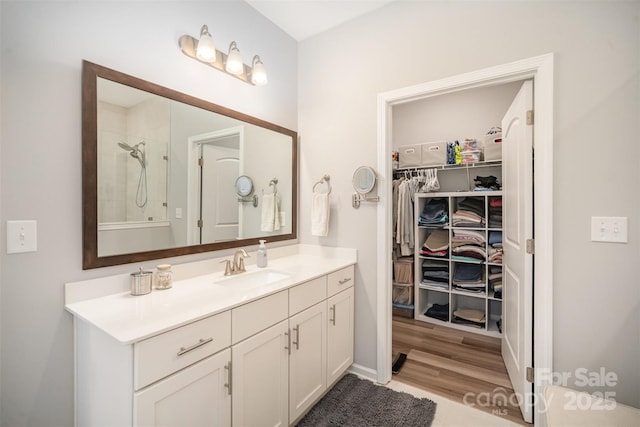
(262, 255)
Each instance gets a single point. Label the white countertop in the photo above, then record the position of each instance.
(129, 319)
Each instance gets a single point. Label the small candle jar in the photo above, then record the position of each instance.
(164, 277)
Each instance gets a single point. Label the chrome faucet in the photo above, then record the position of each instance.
(238, 263)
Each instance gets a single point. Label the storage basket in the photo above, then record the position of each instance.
(434, 153)
(402, 294)
(403, 310)
(493, 146)
(410, 155)
(403, 270)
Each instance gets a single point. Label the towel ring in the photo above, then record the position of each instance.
(324, 179)
(273, 183)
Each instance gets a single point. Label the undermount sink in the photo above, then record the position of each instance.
(252, 279)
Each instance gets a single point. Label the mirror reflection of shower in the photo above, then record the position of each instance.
(138, 153)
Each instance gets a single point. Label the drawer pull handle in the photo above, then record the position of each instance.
(342, 282)
(228, 384)
(288, 346)
(333, 315)
(200, 343)
(296, 342)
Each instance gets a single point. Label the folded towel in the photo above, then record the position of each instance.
(320, 214)
(270, 212)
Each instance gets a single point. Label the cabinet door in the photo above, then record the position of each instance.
(339, 334)
(195, 396)
(261, 378)
(307, 363)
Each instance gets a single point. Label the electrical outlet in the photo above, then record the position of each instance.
(22, 236)
(609, 229)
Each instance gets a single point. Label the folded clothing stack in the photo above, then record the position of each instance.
(495, 247)
(470, 213)
(438, 311)
(495, 280)
(468, 277)
(469, 317)
(495, 212)
(468, 245)
(437, 244)
(435, 212)
(435, 273)
(486, 183)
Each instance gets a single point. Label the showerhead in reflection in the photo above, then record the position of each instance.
(137, 153)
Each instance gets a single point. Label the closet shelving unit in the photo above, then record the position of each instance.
(425, 294)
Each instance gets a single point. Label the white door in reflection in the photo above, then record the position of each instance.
(218, 201)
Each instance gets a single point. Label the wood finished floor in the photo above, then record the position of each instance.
(452, 363)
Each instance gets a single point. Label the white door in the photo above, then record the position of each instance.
(517, 275)
(307, 363)
(339, 334)
(196, 396)
(219, 201)
(261, 378)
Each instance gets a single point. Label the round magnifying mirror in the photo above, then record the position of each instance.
(244, 186)
(364, 179)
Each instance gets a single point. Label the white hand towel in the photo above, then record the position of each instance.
(270, 212)
(320, 214)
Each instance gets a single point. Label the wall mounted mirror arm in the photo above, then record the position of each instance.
(364, 181)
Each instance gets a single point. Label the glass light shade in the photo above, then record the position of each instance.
(206, 50)
(259, 73)
(234, 64)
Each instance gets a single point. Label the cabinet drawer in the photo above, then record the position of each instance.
(340, 280)
(256, 316)
(159, 356)
(307, 294)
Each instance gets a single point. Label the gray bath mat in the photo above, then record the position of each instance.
(357, 402)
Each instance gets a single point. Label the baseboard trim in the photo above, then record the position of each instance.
(363, 371)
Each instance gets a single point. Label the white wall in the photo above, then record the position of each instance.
(43, 44)
(596, 112)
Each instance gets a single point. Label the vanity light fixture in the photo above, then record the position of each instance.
(231, 63)
(206, 50)
(234, 63)
(258, 73)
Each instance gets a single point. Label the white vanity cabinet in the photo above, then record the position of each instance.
(308, 357)
(197, 396)
(263, 362)
(260, 362)
(339, 334)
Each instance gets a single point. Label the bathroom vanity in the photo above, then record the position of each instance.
(257, 348)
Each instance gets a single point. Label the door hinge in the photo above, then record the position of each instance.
(529, 117)
(530, 374)
(200, 223)
(531, 246)
(201, 162)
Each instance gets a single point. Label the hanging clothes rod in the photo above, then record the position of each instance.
(323, 180)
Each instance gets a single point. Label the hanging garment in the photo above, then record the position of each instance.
(404, 234)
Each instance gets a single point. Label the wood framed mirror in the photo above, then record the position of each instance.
(159, 171)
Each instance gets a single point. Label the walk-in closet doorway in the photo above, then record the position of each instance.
(539, 307)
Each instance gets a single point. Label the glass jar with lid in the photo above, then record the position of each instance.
(164, 276)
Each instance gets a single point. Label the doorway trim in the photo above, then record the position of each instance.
(540, 69)
(194, 142)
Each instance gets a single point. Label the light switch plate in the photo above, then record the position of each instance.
(609, 229)
(22, 236)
